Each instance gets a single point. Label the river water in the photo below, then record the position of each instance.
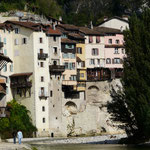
(90, 147)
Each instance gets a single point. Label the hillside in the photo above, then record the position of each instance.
(78, 12)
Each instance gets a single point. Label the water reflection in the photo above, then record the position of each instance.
(89, 147)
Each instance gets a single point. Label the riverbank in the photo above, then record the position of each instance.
(27, 142)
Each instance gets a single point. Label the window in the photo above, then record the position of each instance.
(90, 39)
(7, 79)
(5, 52)
(117, 41)
(72, 56)
(43, 120)
(82, 75)
(54, 62)
(6, 90)
(69, 46)
(42, 90)
(4, 40)
(63, 77)
(24, 41)
(16, 41)
(16, 30)
(83, 64)
(11, 68)
(42, 79)
(116, 60)
(123, 51)
(51, 93)
(5, 68)
(54, 38)
(41, 40)
(108, 61)
(66, 65)
(116, 51)
(79, 50)
(97, 39)
(43, 108)
(95, 51)
(110, 41)
(41, 51)
(55, 50)
(98, 61)
(65, 55)
(73, 77)
(92, 61)
(41, 64)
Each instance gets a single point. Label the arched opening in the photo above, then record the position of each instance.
(71, 107)
(93, 87)
(52, 134)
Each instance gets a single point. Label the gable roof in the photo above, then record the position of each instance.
(88, 31)
(115, 17)
(67, 41)
(106, 30)
(69, 27)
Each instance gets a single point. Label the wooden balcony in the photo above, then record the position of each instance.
(1, 44)
(27, 84)
(56, 68)
(42, 56)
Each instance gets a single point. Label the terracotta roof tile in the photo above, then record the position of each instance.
(76, 36)
(88, 31)
(65, 40)
(68, 27)
(105, 30)
(53, 32)
(2, 81)
(21, 74)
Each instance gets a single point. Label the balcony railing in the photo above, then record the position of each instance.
(56, 68)
(42, 56)
(1, 44)
(21, 85)
(43, 95)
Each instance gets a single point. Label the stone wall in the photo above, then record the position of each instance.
(90, 116)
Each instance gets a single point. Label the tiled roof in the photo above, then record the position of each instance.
(114, 46)
(65, 40)
(76, 36)
(68, 27)
(105, 30)
(53, 32)
(5, 58)
(21, 74)
(36, 27)
(88, 31)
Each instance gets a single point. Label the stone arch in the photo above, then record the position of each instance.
(71, 107)
(93, 87)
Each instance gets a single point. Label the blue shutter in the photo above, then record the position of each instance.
(5, 52)
(4, 40)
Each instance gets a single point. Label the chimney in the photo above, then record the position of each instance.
(91, 25)
(60, 18)
(125, 17)
(54, 26)
(105, 18)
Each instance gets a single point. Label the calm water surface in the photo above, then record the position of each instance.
(90, 147)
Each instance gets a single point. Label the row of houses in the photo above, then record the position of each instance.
(51, 65)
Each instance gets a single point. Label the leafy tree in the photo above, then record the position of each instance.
(131, 106)
(19, 120)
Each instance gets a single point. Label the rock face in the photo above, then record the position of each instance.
(90, 116)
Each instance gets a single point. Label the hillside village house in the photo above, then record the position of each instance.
(63, 74)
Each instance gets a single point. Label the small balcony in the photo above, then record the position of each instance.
(43, 95)
(1, 44)
(42, 56)
(27, 84)
(56, 68)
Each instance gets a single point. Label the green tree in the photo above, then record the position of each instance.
(19, 120)
(132, 105)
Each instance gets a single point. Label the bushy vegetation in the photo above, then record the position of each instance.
(78, 12)
(131, 106)
(19, 120)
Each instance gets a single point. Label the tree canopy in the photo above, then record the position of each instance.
(78, 12)
(19, 120)
(131, 106)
